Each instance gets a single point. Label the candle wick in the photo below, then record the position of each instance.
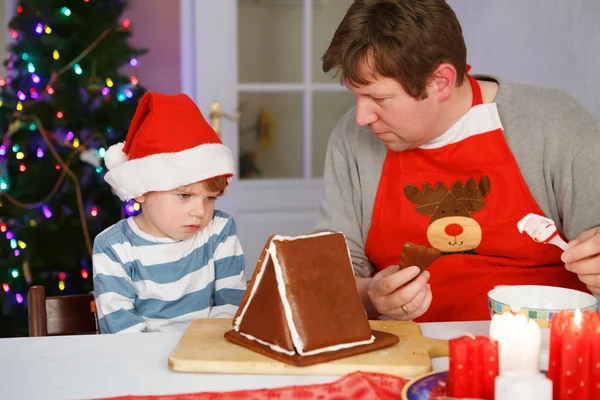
(470, 335)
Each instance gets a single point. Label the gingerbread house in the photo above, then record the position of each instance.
(302, 305)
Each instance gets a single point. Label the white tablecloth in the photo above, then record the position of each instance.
(92, 366)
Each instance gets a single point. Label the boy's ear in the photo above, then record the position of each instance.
(140, 199)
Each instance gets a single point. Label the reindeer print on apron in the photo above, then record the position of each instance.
(451, 228)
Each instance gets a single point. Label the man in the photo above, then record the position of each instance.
(431, 155)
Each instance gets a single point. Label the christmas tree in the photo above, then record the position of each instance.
(66, 97)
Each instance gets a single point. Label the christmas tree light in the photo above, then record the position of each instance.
(63, 96)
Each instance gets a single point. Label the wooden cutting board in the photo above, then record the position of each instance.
(204, 349)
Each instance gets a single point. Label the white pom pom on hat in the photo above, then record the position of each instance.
(114, 156)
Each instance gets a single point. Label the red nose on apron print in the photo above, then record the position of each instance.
(451, 229)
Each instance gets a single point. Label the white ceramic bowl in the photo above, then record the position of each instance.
(538, 302)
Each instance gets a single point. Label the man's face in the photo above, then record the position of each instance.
(400, 121)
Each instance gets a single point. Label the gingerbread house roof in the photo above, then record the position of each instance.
(303, 298)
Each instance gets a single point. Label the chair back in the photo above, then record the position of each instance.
(60, 315)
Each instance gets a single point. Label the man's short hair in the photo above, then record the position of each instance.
(403, 39)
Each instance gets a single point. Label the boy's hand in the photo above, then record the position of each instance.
(392, 296)
(583, 258)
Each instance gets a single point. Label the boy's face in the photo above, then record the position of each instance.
(400, 121)
(178, 213)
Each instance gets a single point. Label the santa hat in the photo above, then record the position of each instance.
(169, 144)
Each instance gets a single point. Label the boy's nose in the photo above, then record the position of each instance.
(198, 211)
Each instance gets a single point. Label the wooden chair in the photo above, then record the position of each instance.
(60, 315)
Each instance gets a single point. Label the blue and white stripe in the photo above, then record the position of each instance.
(145, 283)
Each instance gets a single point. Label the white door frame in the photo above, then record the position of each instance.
(261, 207)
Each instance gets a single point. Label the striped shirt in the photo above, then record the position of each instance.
(144, 283)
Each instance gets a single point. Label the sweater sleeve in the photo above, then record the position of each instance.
(114, 292)
(581, 202)
(230, 279)
(340, 208)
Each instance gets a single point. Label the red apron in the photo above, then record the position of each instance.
(464, 198)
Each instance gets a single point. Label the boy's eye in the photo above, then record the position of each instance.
(185, 196)
(211, 198)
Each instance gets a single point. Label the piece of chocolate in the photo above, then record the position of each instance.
(419, 255)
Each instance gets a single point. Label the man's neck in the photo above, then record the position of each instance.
(489, 90)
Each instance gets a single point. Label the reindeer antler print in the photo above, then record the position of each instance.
(429, 199)
(470, 194)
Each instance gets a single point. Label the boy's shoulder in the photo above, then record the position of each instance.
(114, 234)
(218, 214)
(221, 222)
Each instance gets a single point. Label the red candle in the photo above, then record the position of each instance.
(489, 350)
(557, 330)
(574, 378)
(458, 378)
(573, 353)
(473, 367)
(595, 358)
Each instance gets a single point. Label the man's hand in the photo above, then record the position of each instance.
(583, 258)
(389, 291)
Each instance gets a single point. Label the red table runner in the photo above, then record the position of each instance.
(358, 385)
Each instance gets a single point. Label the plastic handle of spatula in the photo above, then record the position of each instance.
(557, 241)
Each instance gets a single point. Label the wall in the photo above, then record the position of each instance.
(548, 42)
(7, 9)
(4, 18)
(155, 25)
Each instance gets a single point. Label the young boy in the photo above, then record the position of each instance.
(180, 259)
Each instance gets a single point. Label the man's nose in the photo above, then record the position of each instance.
(364, 114)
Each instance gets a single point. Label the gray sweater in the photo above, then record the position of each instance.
(555, 141)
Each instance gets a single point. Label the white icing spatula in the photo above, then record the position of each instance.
(541, 229)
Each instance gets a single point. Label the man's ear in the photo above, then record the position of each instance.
(442, 82)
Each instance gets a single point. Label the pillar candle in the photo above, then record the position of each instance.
(473, 367)
(575, 360)
(595, 357)
(519, 341)
(574, 356)
(557, 330)
(458, 378)
(490, 360)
